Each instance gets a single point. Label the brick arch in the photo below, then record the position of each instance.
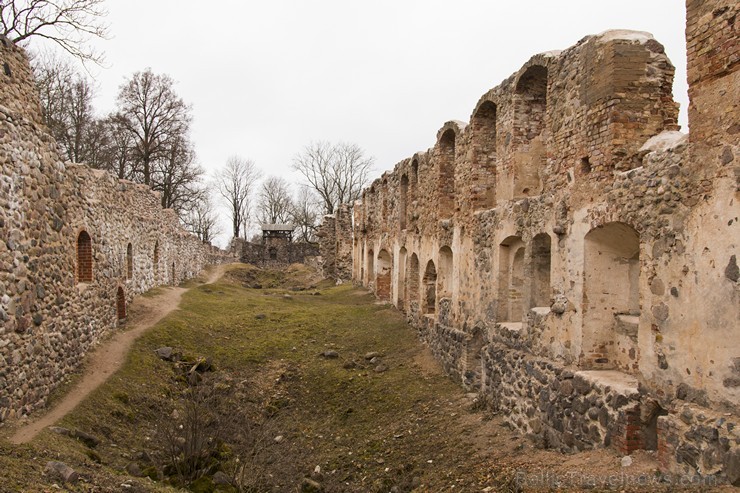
(402, 200)
(401, 296)
(120, 303)
(511, 280)
(370, 266)
(530, 114)
(611, 296)
(383, 276)
(413, 195)
(84, 257)
(429, 303)
(483, 167)
(414, 170)
(445, 157)
(413, 282)
(444, 278)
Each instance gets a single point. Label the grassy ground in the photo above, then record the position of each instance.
(272, 410)
(271, 391)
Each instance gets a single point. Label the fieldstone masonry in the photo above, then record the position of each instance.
(571, 255)
(335, 244)
(277, 248)
(76, 245)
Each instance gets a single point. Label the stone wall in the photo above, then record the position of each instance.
(76, 245)
(336, 244)
(572, 255)
(274, 252)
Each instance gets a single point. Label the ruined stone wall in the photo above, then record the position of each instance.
(76, 245)
(570, 232)
(274, 252)
(336, 244)
(327, 233)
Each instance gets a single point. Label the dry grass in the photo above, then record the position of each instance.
(407, 428)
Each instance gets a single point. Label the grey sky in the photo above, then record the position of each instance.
(265, 78)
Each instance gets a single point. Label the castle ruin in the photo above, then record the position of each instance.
(571, 256)
(568, 253)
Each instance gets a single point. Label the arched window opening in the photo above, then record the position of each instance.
(272, 251)
(413, 283)
(383, 277)
(444, 286)
(401, 296)
(120, 304)
(430, 289)
(402, 202)
(483, 192)
(155, 261)
(413, 191)
(446, 184)
(541, 253)
(362, 263)
(611, 297)
(511, 280)
(173, 279)
(129, 261)
(531, 90)
(84, 257)
(529, 125)
(370, 267)
(445, 272)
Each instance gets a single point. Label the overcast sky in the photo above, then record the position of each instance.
(266, 78)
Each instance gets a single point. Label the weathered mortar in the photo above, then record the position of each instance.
(48, 318)
(274, 252)
(569, 229)
(335, 244)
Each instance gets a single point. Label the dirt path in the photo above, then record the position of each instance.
(107, 358)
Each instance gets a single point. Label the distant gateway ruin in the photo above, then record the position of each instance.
(276, 249)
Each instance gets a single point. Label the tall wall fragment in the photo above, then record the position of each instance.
(76, 245)
(573, 257)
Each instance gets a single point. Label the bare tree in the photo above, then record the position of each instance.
(275, 204)
(176, 176)
(99, 144)
(115, 149)
(337, 172)
(53, 76)
(66, 23)
(154, 116)
(202, 219)
(66, 101)
(351, 170)
(80, 121)
(305, 214)
(235, 184)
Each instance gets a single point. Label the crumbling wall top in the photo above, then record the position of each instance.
(17, 90)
